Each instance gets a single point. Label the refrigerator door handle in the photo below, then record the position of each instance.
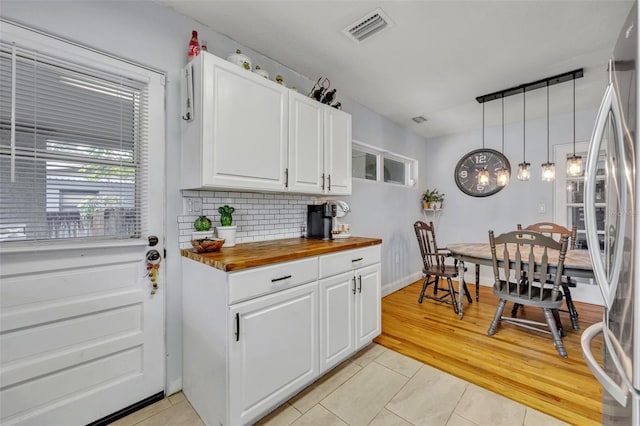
(609, 105)
(618, 392)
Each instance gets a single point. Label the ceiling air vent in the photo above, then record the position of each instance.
(370, 24)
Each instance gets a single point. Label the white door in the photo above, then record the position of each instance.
(271, 355)
(368, 301)
(337, 303)
(82, 335)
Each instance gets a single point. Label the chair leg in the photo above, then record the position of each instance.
(436, 283)
(514, 310)
(557, 341)
(424, 287)
(573, 313)
(466, 292)
(556, 317)
(496, 317)
(452, 293)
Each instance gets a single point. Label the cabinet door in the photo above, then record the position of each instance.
(337, 303)
(273, 350)
(368, 304)
(337, 163)
(244, 136)
(306, 144)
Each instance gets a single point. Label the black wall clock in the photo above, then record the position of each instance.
(466, 173)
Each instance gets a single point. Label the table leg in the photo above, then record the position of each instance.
(460, 289)
(477, 282)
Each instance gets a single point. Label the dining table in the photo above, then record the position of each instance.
(577, 263)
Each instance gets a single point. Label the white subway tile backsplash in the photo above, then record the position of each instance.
(258, 216)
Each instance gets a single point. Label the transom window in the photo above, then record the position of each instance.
(374, 164)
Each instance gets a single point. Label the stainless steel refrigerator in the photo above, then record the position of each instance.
(613, 238)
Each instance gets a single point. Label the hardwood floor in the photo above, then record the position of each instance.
(520, 364)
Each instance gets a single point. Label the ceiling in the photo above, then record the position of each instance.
(437, 57)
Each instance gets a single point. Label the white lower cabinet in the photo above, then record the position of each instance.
(350, 306)
(273, 351)
(254, 338)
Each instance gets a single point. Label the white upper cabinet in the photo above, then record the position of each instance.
(306, 144)
(248, 133)
(319, 147)
(238, 136)
(337, 152)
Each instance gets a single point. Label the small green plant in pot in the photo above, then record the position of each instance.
(227, 231)
(225, 215)
(432, 199)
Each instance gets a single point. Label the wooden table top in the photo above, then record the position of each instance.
(575, 260)
(261, 253)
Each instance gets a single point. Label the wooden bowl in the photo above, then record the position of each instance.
(207, 245)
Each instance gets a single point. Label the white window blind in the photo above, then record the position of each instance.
(73, 145)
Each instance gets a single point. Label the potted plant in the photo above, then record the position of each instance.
(226, 231)
(202, 227)
(431, 199)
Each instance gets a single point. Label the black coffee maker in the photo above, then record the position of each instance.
(320, 221)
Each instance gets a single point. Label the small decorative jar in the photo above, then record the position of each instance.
(240, 60)
(261, 72)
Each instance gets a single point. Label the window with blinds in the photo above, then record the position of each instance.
(72, 149)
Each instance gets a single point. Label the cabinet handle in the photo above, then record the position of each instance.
(354, 285)
(237, 327)
(281, 278)
(323, 181)
(360, 283)
(357, 260)
(329, 178)
(286, 177)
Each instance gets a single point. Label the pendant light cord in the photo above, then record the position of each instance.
(547, 122)
(483, 125)
(503, 123)
(574, 117)
(524, 124)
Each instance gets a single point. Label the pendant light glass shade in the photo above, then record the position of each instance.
(524, 172)
(574, 163)
(548, 168)
(574, 166)
(483, 177)
(548, 172)
(502, 177)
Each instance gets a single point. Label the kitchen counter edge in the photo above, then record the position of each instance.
(262, 253)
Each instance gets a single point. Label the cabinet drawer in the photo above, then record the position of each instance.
(244, 285)
(332, 264)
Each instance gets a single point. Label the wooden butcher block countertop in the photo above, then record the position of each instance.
(261, 253)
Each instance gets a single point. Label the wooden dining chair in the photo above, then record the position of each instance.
(555, 231)
(514, 254)
(435, 268)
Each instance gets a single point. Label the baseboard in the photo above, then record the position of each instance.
(128, 410)
(401, 283)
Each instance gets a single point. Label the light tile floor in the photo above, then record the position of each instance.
(376, 387)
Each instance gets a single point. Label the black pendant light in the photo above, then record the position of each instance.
(548, 168)
(574, 163)
(483, 175)
(502, 174)
(524, 173)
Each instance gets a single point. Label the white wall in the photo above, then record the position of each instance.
(153, 35)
